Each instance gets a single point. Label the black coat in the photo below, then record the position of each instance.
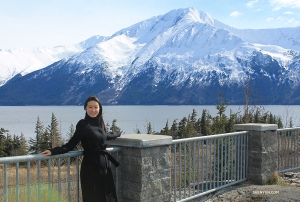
(95, 174)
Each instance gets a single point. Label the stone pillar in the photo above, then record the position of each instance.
(262, 151)
(145, 167)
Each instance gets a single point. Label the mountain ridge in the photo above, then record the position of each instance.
(182, 57)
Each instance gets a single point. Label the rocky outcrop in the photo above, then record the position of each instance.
(291, 178)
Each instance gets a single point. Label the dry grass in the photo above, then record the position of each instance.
(46, 186)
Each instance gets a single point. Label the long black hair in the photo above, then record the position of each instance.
(95, 98)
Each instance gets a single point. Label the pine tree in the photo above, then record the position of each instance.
(45, 140)
(194, 118)
(174, 129)
(23, 145)
(149, 128)
(16, 145)
(279, 122)
(205, 123)
(166, 130)
(55, 135)
(34, 143)
(114, 127)
(137, 130)
(221, 107)
(190, 129)
(9, 145)
(3, 142)
(182, 132)
(198, 126)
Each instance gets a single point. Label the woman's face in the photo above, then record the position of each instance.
(92, 108)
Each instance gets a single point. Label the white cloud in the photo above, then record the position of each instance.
(235, 14)
(269, 19)
(294, 22)
(251, 3)
(259, 9)
(286, 3)
(276, 9)
(288, 13)
(287, 21)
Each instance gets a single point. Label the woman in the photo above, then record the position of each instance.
(95, 174)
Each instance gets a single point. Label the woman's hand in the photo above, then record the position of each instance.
(46, 153)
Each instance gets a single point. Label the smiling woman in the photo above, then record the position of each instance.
(96, 177)
(92, 108)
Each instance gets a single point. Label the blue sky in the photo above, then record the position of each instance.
(49, 23)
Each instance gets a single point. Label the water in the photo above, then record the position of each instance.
(22, 119)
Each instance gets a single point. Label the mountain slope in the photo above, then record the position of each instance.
(24, 61)
(182, 57)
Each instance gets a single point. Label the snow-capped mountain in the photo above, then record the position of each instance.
(24, 61)
(182, 57)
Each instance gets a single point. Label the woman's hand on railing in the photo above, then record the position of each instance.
(46, 153)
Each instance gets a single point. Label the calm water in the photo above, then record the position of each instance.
(22, 119)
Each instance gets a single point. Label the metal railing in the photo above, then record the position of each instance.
(205, 164)
(43, 178)
(288, 149)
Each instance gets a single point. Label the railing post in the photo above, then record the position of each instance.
(145, 167)
(262, 151)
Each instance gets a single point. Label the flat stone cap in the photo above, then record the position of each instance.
(255, 127)
(140, 140)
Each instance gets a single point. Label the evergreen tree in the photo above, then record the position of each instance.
(190, 129)
(271, 119)
(137, 131)
(174, 129)
(107, 125)
(198, 126)
(16, 145)
(55, 135)
(182, 131)
(279, 122)
(34, 143)
(230, 123)
(194, 118)
(221, 107)
(149, 128)
(23, 145)
(3, 142)
(114, 127)
(9, 145)
(45, 140)
(205, 123)
(291, 122)
(166, 130)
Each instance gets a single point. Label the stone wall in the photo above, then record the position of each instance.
(145, 170)
(262, 151)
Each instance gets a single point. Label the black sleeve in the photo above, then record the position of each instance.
(71, 144)
(113, 135)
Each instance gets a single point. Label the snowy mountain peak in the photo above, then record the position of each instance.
(190, 15)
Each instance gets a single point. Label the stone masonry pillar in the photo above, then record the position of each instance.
(262, 151)
(144, 173)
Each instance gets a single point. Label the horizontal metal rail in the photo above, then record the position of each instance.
(43, 178)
